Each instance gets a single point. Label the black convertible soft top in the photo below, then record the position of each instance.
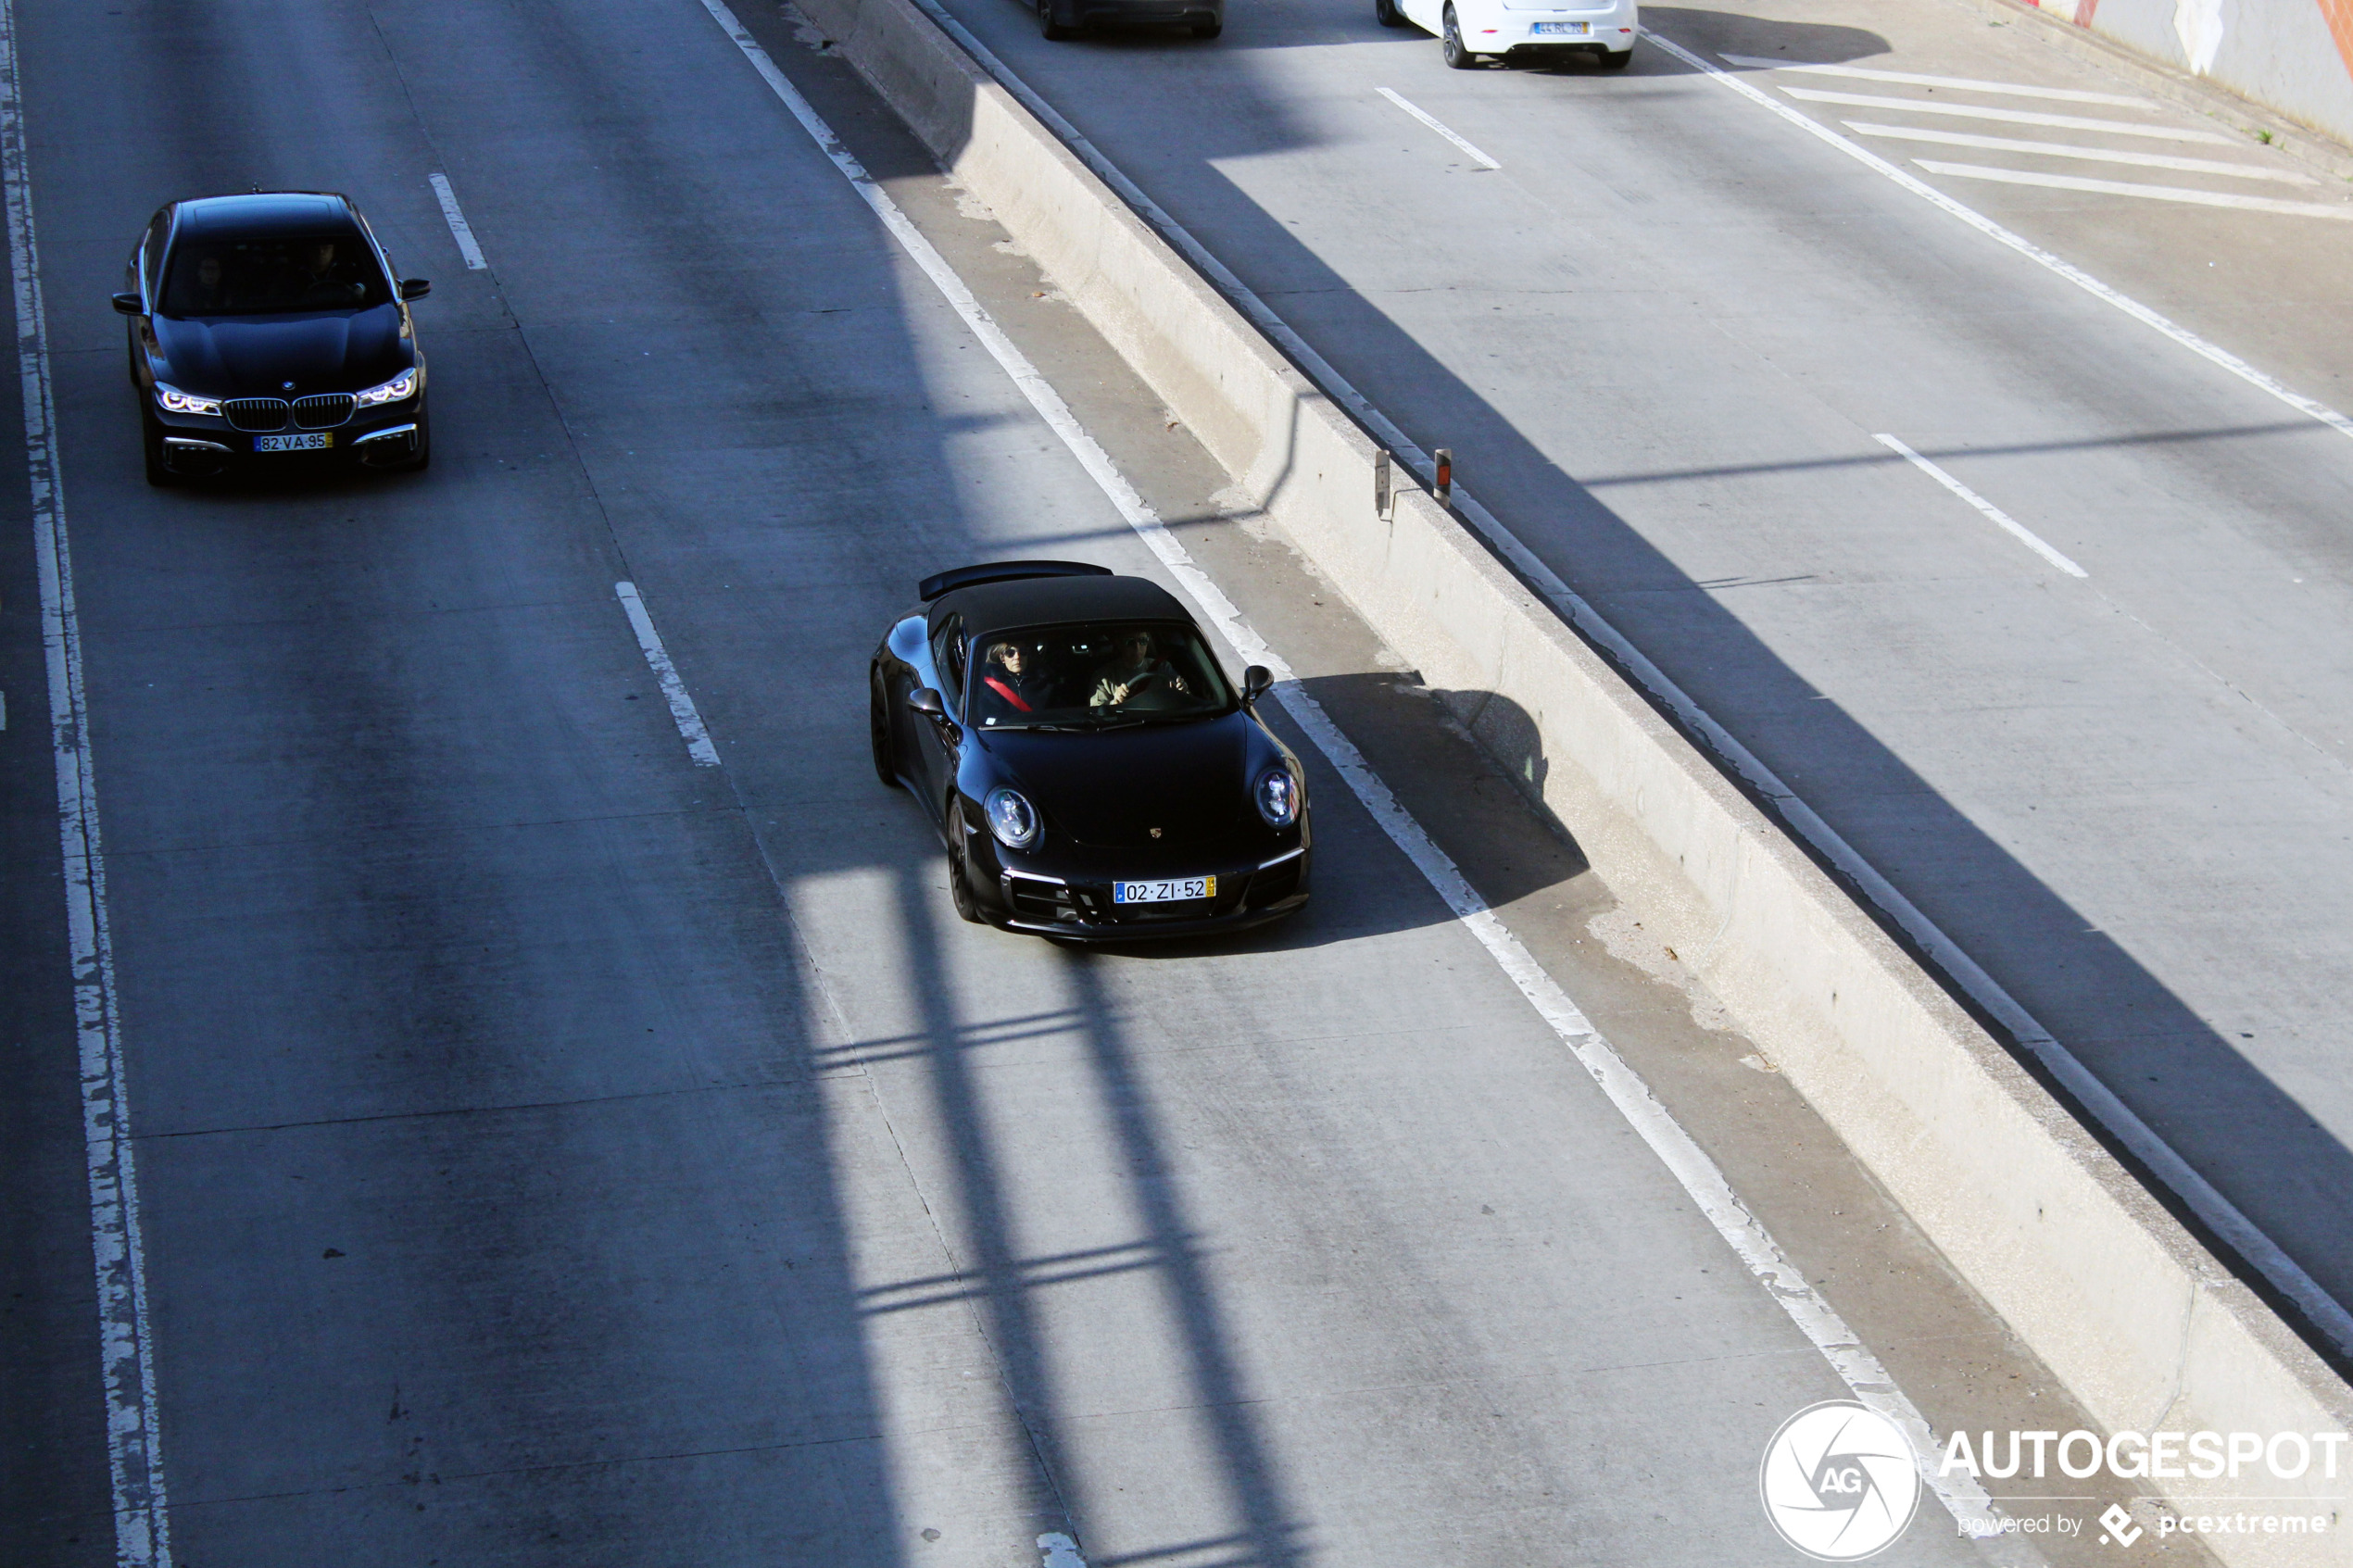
(1042, 601)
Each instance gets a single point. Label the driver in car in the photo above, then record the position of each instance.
(315, 280)
(1137, 670)
(1010, 680)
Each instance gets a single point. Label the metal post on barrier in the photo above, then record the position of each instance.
(1444, 489)
(1383, 500)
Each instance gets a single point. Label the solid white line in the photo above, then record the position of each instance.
(2073, 150)
(2001, 519)
(1432, 121)
(674, 690)
(2011, 116)
(2097, 1100)
(2134, 188)
(460, 229)
(1854, 1362)
(2002, 89)
(126, 1343)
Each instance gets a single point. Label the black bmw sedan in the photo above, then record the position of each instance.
(1091, 770)
(268, 327)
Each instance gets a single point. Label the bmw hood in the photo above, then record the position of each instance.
(256, 356)
(1112, 787)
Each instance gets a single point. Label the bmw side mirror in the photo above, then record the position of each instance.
(415, 288)
(1257, 680)
(126, 304)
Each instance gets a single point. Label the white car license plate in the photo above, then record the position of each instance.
(317, 441)
(1564, 30)
(1169, 890)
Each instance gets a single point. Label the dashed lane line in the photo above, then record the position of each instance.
(1999, 517)
(1435, 124)
(460, 229)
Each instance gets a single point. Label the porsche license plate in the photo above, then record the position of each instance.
(1168, 890)
(317, 441)
(1564, 30)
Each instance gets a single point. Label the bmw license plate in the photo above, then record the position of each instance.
(1564, 30)
(1168, 890)
(316, 441)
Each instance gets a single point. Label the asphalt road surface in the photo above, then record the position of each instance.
(1665, 332)
(555, 1150)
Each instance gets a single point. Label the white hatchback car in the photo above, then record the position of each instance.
(1472, 31)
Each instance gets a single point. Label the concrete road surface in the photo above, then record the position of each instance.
(554, 1151)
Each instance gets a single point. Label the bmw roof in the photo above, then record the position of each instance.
(266, 212)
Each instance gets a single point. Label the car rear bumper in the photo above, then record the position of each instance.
(1611, 29)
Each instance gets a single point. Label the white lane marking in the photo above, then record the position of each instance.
(1854, 1362)
(2134, 188)
(674, 690)
(2214, 353)
(1059, 1551)
(2001, 519)
(460, 229)
(1971, 85)
(2010, 116)
(2075, 150)
(126, 1341)
(2097, 1100)
(1432, 121)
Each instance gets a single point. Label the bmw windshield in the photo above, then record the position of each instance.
(1094, 676)
(273, 274)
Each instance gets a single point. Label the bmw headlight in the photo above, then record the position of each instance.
(405, 385)
(178, 402)
(1011, 817)
(1277, 796)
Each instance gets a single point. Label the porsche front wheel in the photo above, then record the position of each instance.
(960, 874)
(878, 732)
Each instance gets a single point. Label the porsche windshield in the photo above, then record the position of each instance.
(273, 273)
(1094, 676)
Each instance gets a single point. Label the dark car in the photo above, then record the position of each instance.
(272, 329)
(1092, 770)
(1061, 20)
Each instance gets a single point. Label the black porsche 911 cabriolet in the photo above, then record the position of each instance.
(1092, 770)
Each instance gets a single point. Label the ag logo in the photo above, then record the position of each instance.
(1839, 1481)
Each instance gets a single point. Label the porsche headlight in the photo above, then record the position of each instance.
(405, 385)
(178, 402)
(1277, 796)
(1011, 817)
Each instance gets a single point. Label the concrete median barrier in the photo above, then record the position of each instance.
(2139, 1320)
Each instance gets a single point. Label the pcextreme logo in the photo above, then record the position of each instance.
(1839, 1481)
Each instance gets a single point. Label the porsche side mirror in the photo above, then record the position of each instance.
(415, 288)
(126, 304)
(1257, 680)
(925, 701)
